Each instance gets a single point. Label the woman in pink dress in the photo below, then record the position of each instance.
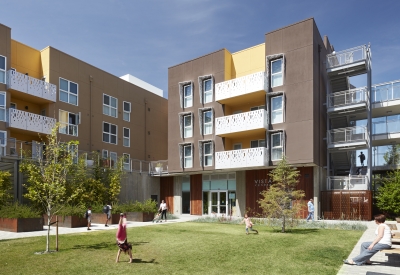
(122, 239)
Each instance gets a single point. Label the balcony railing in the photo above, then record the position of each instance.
(346, 57)
(347, 135)
(241, 122)
(252, 157)
(29, 121)
(159, 167)
(31, 85)
(386, 91)
(240, 86)
(347, 98)
(348, 183)
(386, 125)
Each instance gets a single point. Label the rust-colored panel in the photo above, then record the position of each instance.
(167, 192)
(346, 205)
(196, 195)
(306, 182)
(256, 181)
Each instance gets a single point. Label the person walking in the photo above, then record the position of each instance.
(310, 206)
(163, 209)
(122, 238)
(89, 217)
(362, 158)
(108, 213)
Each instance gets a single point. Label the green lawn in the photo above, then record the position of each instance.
(185, 248)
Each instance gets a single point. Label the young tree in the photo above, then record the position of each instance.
(388, 198)
(6, 186)
(47, 176)
(392, 157)
(278, 200)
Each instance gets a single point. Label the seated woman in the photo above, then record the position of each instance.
(383, 240)
(122, 240)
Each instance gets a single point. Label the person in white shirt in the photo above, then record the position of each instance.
(108, 213)
(89, 217)
(383, 240)
(163, 208)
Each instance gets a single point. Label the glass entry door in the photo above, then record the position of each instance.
(219, 202)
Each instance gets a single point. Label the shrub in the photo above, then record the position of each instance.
(6, 187)
(72, 210)
(17, 210)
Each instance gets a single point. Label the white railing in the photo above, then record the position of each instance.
(349, 97)
(346, 57)
(347, 183)
(31, 85)
(241, 122)
(241, 85)
(386, 91)
(29, 121)
(158, 167)
(252, 157)
(348, 135)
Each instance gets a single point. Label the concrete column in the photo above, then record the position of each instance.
(178, 195)
(319, 181)
(240, 193)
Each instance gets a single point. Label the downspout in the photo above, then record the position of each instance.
(90, 115)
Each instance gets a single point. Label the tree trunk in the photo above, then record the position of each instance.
(48, 231)
(283, 224)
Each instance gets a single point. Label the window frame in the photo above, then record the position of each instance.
(4, 70)
(106, 154)
(236, 144)
(207, 123)
(185, 97)
(126, 112)
(68, 125)
(275, 74)
(110, 134)
(258, 143)
(69, 91)
(209, 92)
(3, 143)
(187, 157)
(255, 108)
(208, 155)
(111, 159)
(109, 106)
(275, 111)
(277, 147)
(124, 161)
(126, 138)
(187, 127)
(3, 108)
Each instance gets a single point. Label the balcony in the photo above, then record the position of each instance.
(350, 138)
(227, 92)
(253, 157)
(385, 129)
(31, 86)
(386, 98)
(31, 122)
(348, 183)
(349, 62)
(254, 121)
(351, 101)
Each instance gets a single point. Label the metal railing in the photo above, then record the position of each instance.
(348, 135)
(349, 97)
(386, 91)
(241, 122)
(347, 183)
(346, 57)
(386, 125)
(158, 167)
(30, 121)
(252, 157)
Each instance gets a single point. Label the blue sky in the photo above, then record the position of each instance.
(145, 37)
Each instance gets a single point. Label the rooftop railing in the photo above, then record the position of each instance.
(30, 85)
(346, 57)
(349, 97)
(348, 135)
(386, 91)
(348, 183)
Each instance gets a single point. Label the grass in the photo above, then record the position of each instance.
(185, 248)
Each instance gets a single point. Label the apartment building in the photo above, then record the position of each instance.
(232, 116)
(112, 116)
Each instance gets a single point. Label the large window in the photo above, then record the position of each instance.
(114, 158)
(127, 111)
(110, 105)
(187, 126)
(68, 91)
(187, 96)
(3, 139)
(277, 109)
(127, 137)
(109, 133)
(276, 146)
(207, 123)
(2, 106)
(207, 90)
(3, 69)
(68, 123)
(276, 73)
(208, 154)
(257, 143)
(127, 164)
(187, 150)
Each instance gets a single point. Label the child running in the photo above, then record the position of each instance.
(249, 224)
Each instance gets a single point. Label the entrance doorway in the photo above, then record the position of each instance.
(219, 202)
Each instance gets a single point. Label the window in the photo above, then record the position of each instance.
(110, 107)
(73, 151)
(3, 69)
(127, 111)
(207, 91)
(277, 109)
(105, 154)
(237, 146)
(187, 149)
(127, 134)
(187, 126)
(207, 123)
(127, 164)
(262, 107)
(68, 92)
(68, 123)
(3, 138)
(109, 133)
(208, 154)
(257, 143)
(187, 96)
(113, 157)
(2, 106)
(276, 73)
(277, 147)
(13, 105)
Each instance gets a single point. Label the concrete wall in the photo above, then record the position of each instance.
(139, 187)
(240, 193)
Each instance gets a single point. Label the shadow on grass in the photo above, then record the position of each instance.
(298, 231)
(140, 261)
(104, 245)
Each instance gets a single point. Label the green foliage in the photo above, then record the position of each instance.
(72, 210)
(280, 201)
(388, 197)
(148, 206)
(392, 157)
(6, 187)
(17, 210)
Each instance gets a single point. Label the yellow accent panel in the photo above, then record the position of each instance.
(244, 140)
(248, 61)
(228, 65)
(26, 59)
(45, 57)
(244, 102)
